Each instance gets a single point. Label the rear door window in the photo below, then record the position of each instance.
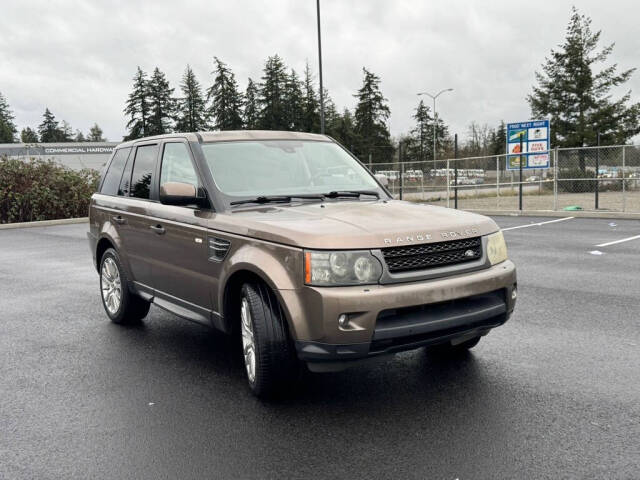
(143, 168)
(112, 178)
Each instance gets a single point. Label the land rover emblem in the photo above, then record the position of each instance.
(469, 253)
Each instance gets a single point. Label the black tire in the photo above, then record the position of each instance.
(446, 349)
(276, 363)
(132, 309)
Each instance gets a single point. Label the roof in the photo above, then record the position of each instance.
(231, 135)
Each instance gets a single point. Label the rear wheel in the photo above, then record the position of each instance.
(122, 306)
(269, 358)
(449, 349)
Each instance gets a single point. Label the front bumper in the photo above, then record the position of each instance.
(391, 318)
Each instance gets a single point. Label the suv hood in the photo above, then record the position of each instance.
(354, 224)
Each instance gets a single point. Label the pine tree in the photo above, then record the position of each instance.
(251, 107)
(310, 103)
(371, 115)
(66, 132)
(49, 130)
(226, 99)
(29, 135)
(273, 115)
(499, 140)
(138, 107)
(95, 134)
(294, 110)
(191, 108)
(417, 143)
(161, 104)
(578, 98)
(8, 129)
(79, 137)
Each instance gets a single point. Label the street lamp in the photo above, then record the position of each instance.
(320, 69)
(435, 115)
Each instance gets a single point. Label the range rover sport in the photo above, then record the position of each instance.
(286, 240)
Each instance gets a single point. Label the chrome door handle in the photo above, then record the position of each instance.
(159, 229)
(119, 219)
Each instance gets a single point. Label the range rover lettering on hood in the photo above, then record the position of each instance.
(451, 235)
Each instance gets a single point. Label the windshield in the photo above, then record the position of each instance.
(284, 167)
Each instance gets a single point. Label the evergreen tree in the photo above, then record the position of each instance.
(138, 107)
(66, 132)
(251, 107)
(79, 137)
(29, 135)
(577, 98)
(226, 99)
(371, 115)
(95, 134)
(49, 130)
(191, 108)
(8, 129)
(417, 143)
(294, 109)
(273, 114)
(161, 104)
(310, 104)
(499, 140)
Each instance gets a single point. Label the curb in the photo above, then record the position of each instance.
(559, 213)
(44, 223)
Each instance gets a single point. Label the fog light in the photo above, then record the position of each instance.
(514, 293)
(343, 320)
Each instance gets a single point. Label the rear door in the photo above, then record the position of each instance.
(181, 273)
(139, 194)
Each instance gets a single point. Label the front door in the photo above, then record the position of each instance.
(181, 271)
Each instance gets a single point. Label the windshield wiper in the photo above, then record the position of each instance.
(276, 199)
(351, 194)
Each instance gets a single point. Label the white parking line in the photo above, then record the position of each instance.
(538, 224)
(628, 239)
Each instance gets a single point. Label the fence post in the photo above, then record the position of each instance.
(624, 191)
(455, 175)
(448, 185)
(370, 163)
(497, 181)
(555, 179)
(401, 169)
(597, 171)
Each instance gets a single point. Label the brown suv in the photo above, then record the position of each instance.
(286, 239)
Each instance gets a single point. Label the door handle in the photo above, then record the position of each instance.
(119, 219)
(159, 229)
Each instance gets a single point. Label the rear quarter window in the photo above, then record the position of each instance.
(114, 173)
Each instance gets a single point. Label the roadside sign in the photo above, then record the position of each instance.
(535, 144)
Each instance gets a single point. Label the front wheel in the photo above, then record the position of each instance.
(122, 306)
(269, 358)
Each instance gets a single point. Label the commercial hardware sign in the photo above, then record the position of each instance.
(54, 149)
(535, 145)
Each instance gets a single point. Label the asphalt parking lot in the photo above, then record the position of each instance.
(555, 393)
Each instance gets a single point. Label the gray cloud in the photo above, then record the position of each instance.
(77, 58)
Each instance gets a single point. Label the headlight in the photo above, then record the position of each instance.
(496, 248)
(356, 267)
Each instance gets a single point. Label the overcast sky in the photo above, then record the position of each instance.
(78, 57)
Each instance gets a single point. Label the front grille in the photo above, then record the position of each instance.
(431, 255)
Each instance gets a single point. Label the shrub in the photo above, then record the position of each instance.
(576, 184)
(43, 190)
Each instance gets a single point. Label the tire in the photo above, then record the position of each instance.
(270, 361)
(446, 349)
(122, 306)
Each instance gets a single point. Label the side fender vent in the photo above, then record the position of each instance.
(218, 248)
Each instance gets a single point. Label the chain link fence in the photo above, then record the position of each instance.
(589, 178)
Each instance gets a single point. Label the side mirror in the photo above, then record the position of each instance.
(178, 193)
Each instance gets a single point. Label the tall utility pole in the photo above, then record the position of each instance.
(320, 70)
(435, 115)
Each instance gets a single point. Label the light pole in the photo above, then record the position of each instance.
(435, 115)
(320, 70)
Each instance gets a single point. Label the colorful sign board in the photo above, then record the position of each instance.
(535, 144)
